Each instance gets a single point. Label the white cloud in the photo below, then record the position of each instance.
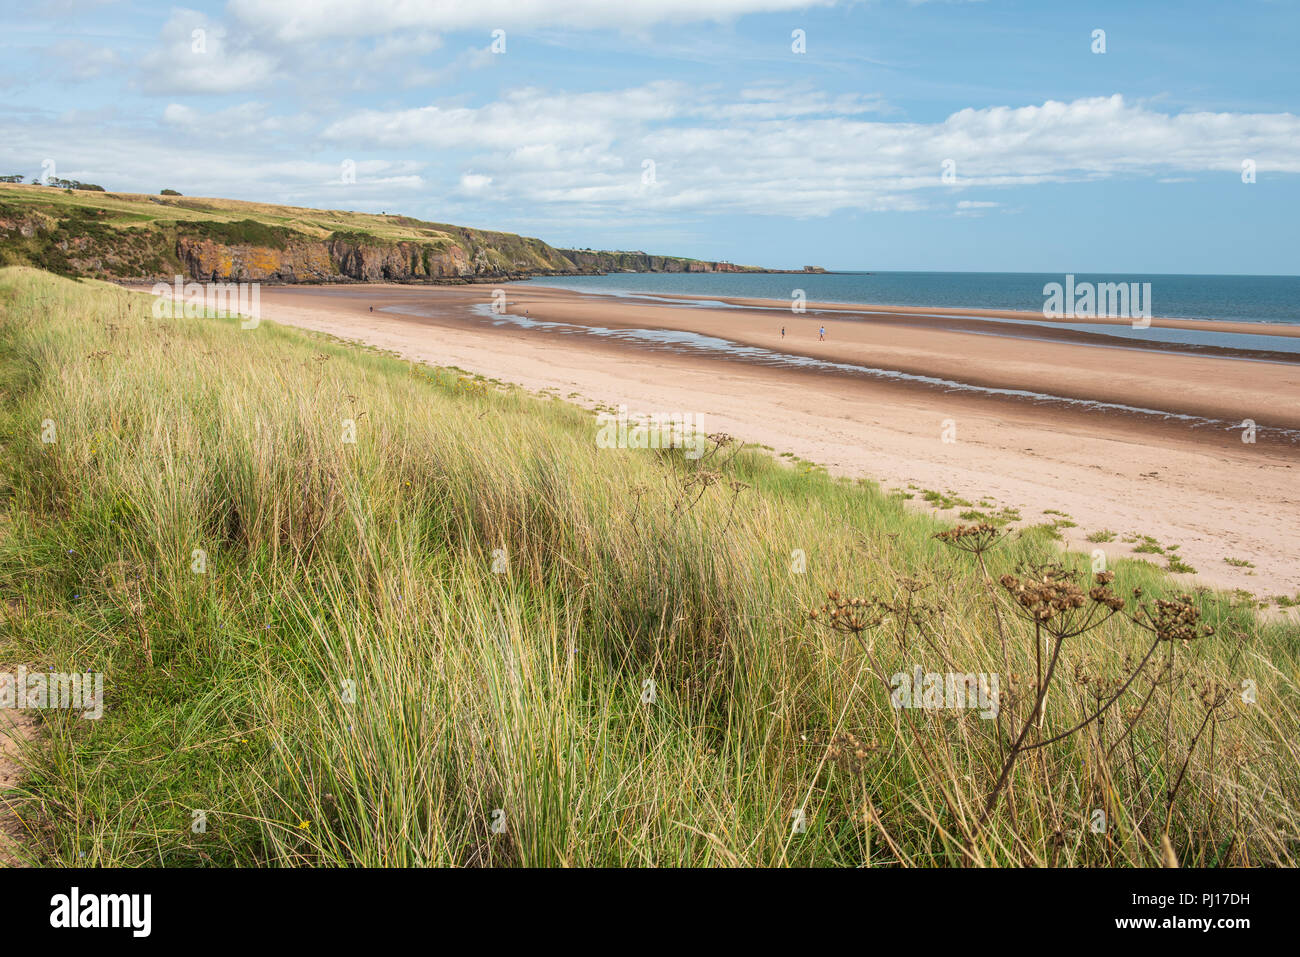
(407, 44)
(808, 155)
(524, 119)
(76, 61)
(181, 155)
(971, 209)
(577, 158)
(240, 121)
(310, 19)
(769, 103)
(474, 182)
(194, 56)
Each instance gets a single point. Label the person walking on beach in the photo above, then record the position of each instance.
(783, 332)
(821, 334)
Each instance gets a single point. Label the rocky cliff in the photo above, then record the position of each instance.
(597, 261)
(120, 236)
(592, 260)
(334, 260)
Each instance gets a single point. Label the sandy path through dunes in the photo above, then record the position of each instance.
(16, 727)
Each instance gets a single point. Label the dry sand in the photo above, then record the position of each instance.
(1201, 488)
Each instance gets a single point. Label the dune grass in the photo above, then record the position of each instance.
(471, 637)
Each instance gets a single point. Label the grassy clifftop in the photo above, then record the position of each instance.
(135, 236)
(357, 611)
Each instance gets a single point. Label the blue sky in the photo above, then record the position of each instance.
(1063, 159)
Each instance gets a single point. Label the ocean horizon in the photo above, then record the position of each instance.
(1266, 299)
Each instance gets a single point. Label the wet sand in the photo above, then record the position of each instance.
(1211, 325)
(1134, 437)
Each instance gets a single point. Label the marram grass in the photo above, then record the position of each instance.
(435, 645)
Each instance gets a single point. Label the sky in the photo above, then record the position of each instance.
(877, 134)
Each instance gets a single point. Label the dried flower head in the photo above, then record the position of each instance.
(849, 615)
(1212, 693)
(975, 539)
(1102, 593)
(1177, 620)
(1050, 597)
(850, 752)
(1051, 593)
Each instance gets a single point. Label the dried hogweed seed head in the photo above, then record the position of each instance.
(852, 615)
(1103, 595)
(1178, 620)
(975, 539)
(1046, 594)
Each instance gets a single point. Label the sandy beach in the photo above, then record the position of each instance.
(1138, 439)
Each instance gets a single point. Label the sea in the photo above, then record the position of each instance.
(1270, 299)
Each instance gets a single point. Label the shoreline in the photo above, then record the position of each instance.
(1205, 386)
(1212, 495)
(1238, 327)
(1190, 323)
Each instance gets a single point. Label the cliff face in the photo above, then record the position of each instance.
(344, 260)
(591, 260)
(595, 261)
(82, 244)
(131, 236)
(336, 260)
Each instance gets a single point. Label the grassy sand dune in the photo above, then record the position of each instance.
(435, 644)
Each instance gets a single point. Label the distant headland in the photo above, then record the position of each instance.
(77, 230)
